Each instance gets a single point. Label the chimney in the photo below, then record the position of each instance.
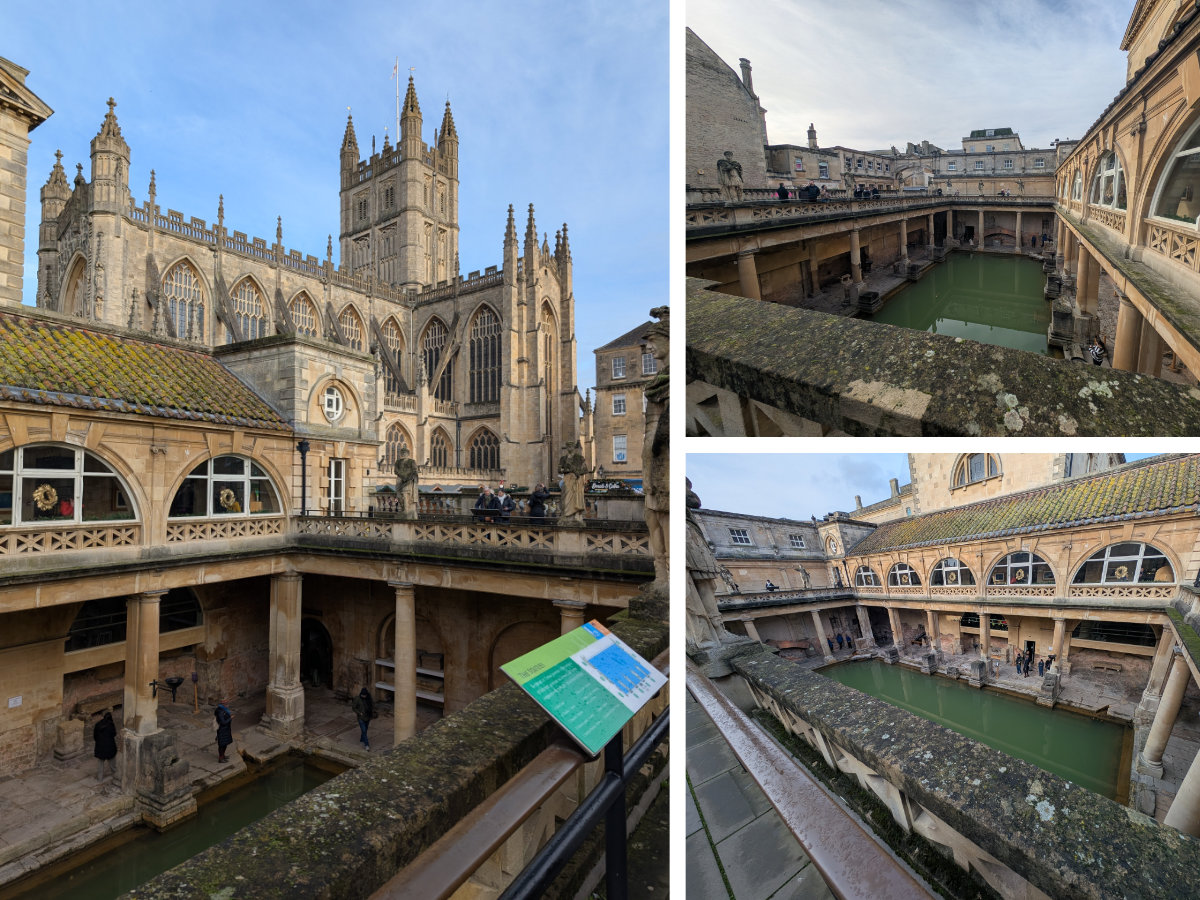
(858, 501)
(746, 79)
(895, 487)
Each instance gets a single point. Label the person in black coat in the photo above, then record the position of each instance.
(105, 736)
(505, 504)
(537, 504)
(782, 193)
(224, 729)
(813, 191)
(487, 507)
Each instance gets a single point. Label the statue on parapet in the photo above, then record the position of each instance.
(656, 445)
(406, 473)
(575, 471)
(805, 577)
(729, 176)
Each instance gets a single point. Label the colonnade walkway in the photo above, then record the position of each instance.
(733, 829)
(58, 807)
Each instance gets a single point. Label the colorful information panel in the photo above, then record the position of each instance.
(589, 681)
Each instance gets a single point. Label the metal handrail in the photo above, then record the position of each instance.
(855, 864)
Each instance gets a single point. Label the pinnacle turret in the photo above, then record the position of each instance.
(530, 233)
(349, 140)
(56, 184)
(411, 106)
(448, 129)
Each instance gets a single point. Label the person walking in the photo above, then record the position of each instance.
(105, 736)
(1041, 667)
(364, 708)
(224, 720)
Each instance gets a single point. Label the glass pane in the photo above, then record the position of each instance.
(1119, 570)
(48, 458)
(6, 461)
(1124, 550)
(1156, 568)
(256, 471)
(190, 500)
(1121, 202)
(262, 497)
(228, 497)
(178, 609)
(1089, 572)
(6, 499)
(201, 471)
(977, 467)
(991, 466)
(229, 465)
(94, 464)
(103, 499)
(1178, 198)
(47, 499)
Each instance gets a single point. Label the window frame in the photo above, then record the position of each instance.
(18, 474)
(620, 448)
(1107, 559)
(797, 542)
(618, 400)
(740, 537)
(618, 363)
(252, 479)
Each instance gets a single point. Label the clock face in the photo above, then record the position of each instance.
(333, 404)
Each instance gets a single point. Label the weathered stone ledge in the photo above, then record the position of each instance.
(867, 378)
(1063, 839)
(349, 836)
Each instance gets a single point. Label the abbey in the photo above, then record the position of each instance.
(474, 375)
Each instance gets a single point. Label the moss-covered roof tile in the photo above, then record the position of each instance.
(57, 364)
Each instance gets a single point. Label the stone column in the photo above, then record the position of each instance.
(1071, 253)
(284, 714)
(141, 663)
(751, 629)
(1128, 339)
(822, 644)
(1017, 234)
(979, 236)
(405, 677)
(985, 634)
(932, 628)
(929, 241)
(1184, 813)
(1149, 761)
(748, 275)
(1085, 286)
(1149, 351)
(904, 242)
(864, 622)
(1060, 629)
(949, 225)
(897, 629)
(572, 613)
(855, 257)
(1160, 666)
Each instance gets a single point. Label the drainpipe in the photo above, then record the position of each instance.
(303, 447)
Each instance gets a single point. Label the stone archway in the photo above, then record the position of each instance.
(316, 654)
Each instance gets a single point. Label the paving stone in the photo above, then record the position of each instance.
(692, 815)
(807, 885)
(708, 759)
(703, 877)
(730, 801)
(760, 858)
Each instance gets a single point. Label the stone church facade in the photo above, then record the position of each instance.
(474, 375)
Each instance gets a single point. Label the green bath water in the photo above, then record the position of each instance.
(145, 853)
(1081, 749)
(995, 300)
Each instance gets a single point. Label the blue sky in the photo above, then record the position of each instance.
(872, 73)
(559, 105)
(800, 485)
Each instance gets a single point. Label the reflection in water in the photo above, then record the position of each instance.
(1083, 750)
(151, 853)
(991, 299)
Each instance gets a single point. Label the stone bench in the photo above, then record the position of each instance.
(1107, 666)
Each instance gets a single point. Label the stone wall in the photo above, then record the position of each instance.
(234, 658)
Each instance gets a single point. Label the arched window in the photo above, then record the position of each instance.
(903, 575)
(1108, 185)
(185, 301)
(485, 357)
(549, 335)
(226, 486)
(395, 440)
(995, 623)
(67, 485)
(1177, 195)
(1021, 568)
(248, 310)
(950, 572)
(73, 297)
(1077, 186)
(393, 341)
(439, 450)
(432, 348)
(1124, 564)
(351, 325)
(865, 577)
(304, 314)
(975, 467)
(485, 451)
(103, 621)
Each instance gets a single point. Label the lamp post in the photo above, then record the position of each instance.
(303, 447)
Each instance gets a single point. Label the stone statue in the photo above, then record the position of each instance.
(656, 445)
(804, 577)
(729, 176)
(574, 469)
(406, 484)
(705, 630)
(727, 577)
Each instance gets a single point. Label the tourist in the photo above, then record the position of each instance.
(1097, 351)
(1028, 662)
(829, 638)
(813, 191)
(537, 504)
(839, 640)
(364, 709)
(1018, 665)
(486, 506)
(505, 505)
(771, 587)
(782, 193)
(1041, 667)
(824, 194)
(224, 722)
(105, 736)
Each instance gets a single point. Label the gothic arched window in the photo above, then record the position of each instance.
(393, 341)
(248, 310)
(439, 450)
(351, 324)
(304, 314)
(395, 440)
(485, 357)
(485, 451)
(185, 301)
(432, 348)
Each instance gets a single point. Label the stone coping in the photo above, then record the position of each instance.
(867, 378)
(1064, 839)
(348, 837)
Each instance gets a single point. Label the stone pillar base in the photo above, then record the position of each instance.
(929, 663)
(69, 743)
(1049, 690)
(978, 676)
(890, 655)
(1154, 770)
(152, 768)
(284, 715)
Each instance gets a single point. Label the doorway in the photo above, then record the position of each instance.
(316, 654)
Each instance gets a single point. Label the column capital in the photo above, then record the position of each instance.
(398, 585)
(147, 596)
(570, 604)
(752, 251)
(288, 576)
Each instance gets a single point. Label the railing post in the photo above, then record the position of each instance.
(616, 876)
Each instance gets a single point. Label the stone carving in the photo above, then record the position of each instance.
(705, 630)
(804, 577)
(406, 473)
(729, 176)
(656, 445)
(574, 469)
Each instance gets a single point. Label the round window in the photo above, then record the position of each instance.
(334, 405)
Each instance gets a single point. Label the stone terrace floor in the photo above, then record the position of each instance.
(58, 808)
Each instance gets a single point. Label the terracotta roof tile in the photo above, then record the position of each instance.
(47, 362)
(1153, 487)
